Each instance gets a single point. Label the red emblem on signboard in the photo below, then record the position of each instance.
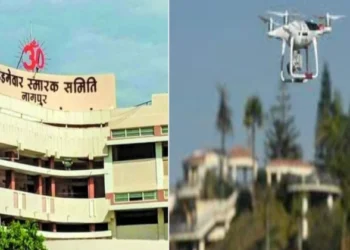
(36, 56)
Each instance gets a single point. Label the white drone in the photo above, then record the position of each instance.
(298, 34)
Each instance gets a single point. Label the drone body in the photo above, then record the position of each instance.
(298, 35)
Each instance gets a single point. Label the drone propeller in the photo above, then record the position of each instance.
(284, 14)
(330, 17)
(267, 20)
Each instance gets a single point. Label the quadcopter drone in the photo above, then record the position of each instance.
(298, 34)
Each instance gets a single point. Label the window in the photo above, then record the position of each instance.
(133, 132)
(121, 197)
(137, 217)
(120, 133)
(165, 130)
(147, 131)
(133, 151)
(135, 196)
(166, 194)
(150, 195)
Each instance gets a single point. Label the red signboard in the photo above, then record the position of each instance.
(35, 54)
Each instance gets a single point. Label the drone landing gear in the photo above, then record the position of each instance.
(294, 67)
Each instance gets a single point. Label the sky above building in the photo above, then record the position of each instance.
(224, 41)
(127, 38)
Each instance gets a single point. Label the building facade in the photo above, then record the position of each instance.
(77, 164)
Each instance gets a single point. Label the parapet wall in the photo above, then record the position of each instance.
(59, 92)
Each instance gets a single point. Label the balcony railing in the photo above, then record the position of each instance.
(208, 219)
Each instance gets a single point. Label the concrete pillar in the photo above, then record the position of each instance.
(108, 166)
(305, 229)
(92, 227)
(10, 179)
(305, 204)
(91, 191)
(278, 177)
(161, 233)
(10, 175)
(91, 187)
(13, 156)
(112, 226)
(54, 227)
(201, 245)
(39, 187)
(330, 201)
(159, 165)
(305, 207)
(53, 183)
(234, 171)
(91, 182)
(268, 176)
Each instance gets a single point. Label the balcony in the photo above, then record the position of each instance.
(80, 235)
(45, 172)
(54, 209)
(315, 182)
(52, 141)
(210, 213)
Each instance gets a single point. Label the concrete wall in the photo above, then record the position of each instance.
(143, 116)
(30, 111)
(137, 175)
(139, 232)
(107, 244)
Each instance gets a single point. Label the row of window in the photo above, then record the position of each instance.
(137, 132)
(138, 151)
(140, 217)
(138, 196)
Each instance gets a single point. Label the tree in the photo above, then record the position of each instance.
(253, 118)
(334, 136)
(224, 126)
(282, 134)
(19, 236)
(326, 225)
(323, 112)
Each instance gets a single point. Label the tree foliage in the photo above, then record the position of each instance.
(324, 228)
(253, 117)
(19, 236)
(282, 134)
(323, 113)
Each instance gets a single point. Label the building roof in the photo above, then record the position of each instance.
(240, 152)
(198, 156)
(289, 163)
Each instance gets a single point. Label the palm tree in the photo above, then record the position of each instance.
(253, 118)
(224, 126)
